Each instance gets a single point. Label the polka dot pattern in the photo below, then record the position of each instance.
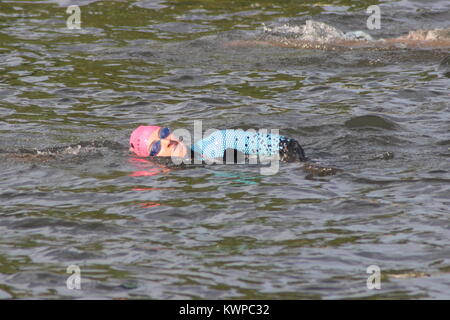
(248, 142)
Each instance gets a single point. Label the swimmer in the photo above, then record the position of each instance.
(159, 145)
(319, 35)
(155, 141)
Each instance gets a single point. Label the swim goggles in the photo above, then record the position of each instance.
(155, 147)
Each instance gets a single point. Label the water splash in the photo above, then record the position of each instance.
(314, 31)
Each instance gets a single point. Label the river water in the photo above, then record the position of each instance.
(137, 229)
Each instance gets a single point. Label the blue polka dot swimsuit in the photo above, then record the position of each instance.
(248, 143)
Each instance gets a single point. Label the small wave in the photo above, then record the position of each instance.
(76, 149)
(372, 121)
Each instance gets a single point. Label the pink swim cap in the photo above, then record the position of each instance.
(139, 140)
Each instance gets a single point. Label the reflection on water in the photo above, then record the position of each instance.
(151, 168)
(145, 229)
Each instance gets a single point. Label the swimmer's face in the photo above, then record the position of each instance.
(162, 143)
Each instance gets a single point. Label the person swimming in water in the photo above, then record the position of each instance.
(161, 147)
(222, 146)
(319, 35)
(157, 141)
